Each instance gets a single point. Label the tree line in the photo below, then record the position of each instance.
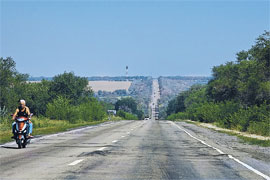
(127, 108)
(64, 97)
(237, 96)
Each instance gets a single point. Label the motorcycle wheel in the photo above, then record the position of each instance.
(19, 142)
(24, 143)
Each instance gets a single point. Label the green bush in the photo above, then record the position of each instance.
(206, 112)
(129, 116)
(61, 109)
(180, 115)
(225, 110)
(255, 119)
(261, 128)
(58, 108)
(91, 111)
(126, 116)
(240, 120)
(213, 112)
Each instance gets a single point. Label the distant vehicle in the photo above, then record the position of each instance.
(147, 118)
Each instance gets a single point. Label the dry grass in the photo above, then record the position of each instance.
(109, 86)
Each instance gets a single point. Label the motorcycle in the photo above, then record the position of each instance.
(21, 131)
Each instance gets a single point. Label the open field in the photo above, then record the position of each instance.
(109, 86)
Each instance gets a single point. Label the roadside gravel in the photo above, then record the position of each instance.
(229, 143)
(211, 126)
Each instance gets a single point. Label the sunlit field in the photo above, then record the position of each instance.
(109, 86)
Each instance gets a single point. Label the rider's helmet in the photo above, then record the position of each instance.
(22, 101)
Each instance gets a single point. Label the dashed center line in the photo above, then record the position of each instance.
(75, 162)
(123, 136)
(114, 141)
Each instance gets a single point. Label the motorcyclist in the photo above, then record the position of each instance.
(24, 111)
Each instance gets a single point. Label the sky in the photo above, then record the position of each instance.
(154, 38)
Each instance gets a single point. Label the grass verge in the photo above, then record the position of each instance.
(43, 126)
(249, 140)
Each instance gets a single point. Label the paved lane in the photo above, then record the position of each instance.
(48, 157)
(121, 150)
(158, 150)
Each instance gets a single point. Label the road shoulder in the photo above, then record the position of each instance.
(254, 155)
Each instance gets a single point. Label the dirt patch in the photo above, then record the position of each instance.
(211, 126)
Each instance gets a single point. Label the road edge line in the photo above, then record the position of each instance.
(230, 156)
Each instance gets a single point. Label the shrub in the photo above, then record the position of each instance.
(262, 128)
(61, 109)
(225, 110)
(126, 116)
(91, 111)
(240, 120)
(206, 112)
(180, 115)
(58, 108)
(255, 119)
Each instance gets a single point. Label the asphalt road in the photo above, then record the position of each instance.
(154, 99)
(120, 150)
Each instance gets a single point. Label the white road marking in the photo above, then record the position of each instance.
(123, 136)
(218, 150)
(75, 162)
(249, 167)
(131, 129)
(114, 141)
(101, 149)
(128, 132)
(230, 156)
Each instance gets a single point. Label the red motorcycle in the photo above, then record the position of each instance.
(21, 131)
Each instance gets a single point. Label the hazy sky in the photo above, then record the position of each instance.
(154, 38)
